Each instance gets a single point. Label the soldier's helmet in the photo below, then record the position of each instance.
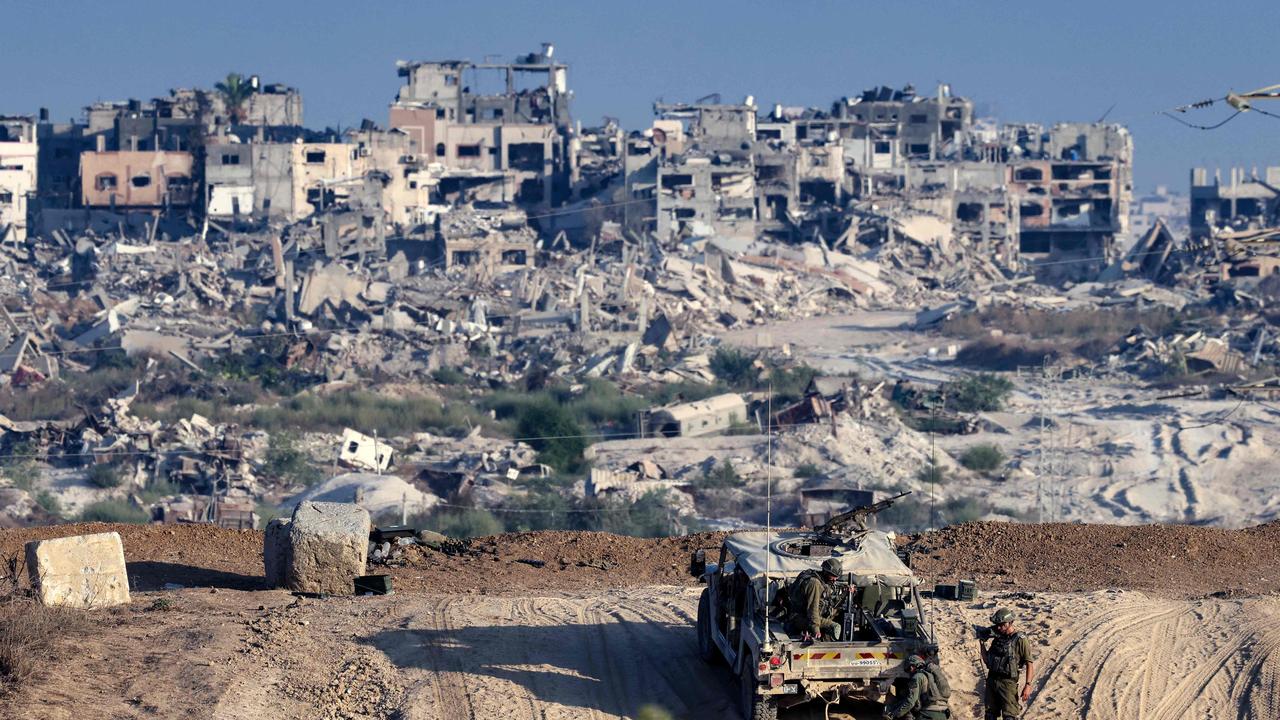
(832, 566)
(915, 662)
(1001, 616)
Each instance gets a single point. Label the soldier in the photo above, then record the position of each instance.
(926, 696)
(811, 617)
(1009, 652)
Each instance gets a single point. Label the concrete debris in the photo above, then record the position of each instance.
(363, 452)
(275, 551)
(81, 571)
(327, 547)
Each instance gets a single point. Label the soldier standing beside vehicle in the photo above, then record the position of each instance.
(811, 617)
(927, 693)
(1009, 652)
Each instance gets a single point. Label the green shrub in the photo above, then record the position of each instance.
(788, 382)
(367, 412)
(156, 490)
(114, 511)
(983, 392)
(105, 475)
(49, 503)
(647, 517)
(962, 510)
(807, 470)
(286, 462)
(916, 513)
(719, 477)
(449, 376)
(932, 475)
(262, 365)
(467, 523)
(553, 432)
(601, 404)
(540, 509)
(735, 368)
(983, 458)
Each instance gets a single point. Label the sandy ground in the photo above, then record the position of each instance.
(1111, 451)
(232, 654)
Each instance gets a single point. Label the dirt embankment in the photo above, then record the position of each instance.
(1179, 561)
(1169, 560)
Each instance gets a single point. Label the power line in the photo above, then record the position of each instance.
(1230, 117)
(1267, 113)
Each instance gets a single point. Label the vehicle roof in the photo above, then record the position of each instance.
(871, 559)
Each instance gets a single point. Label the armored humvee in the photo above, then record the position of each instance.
(876, 602)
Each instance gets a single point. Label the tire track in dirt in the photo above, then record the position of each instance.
(451, 693)
(679, 665)
(1259, 685)
(1195, 688)
(1096, 642)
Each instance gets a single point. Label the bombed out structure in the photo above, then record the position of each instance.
(1053, 199)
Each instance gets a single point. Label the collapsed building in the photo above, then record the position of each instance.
(1050, 201)
(1242, 203)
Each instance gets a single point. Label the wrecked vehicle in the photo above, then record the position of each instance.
(742, 615)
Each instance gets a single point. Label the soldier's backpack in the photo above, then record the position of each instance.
(1002, 658)
(938, 679)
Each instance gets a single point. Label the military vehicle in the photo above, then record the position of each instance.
(742, 614)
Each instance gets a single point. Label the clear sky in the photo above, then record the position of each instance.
(1025, 61)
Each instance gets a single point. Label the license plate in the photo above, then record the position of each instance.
(866, 663)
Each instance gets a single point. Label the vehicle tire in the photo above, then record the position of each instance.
(707, 649)
(752, 705)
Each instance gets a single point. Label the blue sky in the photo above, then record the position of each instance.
(1030, 61)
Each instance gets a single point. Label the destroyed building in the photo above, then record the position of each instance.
(1243, 202)
(18, 175)
(495, 131)
(1051, 201)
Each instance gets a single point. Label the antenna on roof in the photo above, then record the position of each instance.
(768, 516)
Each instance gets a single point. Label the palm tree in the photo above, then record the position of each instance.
(235, 90)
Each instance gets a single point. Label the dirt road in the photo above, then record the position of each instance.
(605, 655)
(485, 635)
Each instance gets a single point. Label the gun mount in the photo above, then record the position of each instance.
(856, 518)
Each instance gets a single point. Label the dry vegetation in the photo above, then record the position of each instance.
(1032, 337)
(30, 633)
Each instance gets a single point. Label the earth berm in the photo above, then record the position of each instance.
(1128, 622)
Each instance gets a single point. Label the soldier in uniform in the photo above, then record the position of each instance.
(812, 610)
(1009, 652)
(926, 696)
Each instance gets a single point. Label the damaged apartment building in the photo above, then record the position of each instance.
(491, 132)
(128, 161)
(1050, 201)
(18, 175)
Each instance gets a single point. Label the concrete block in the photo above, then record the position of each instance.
(328, 547)
(275, 551)
(82, 571)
